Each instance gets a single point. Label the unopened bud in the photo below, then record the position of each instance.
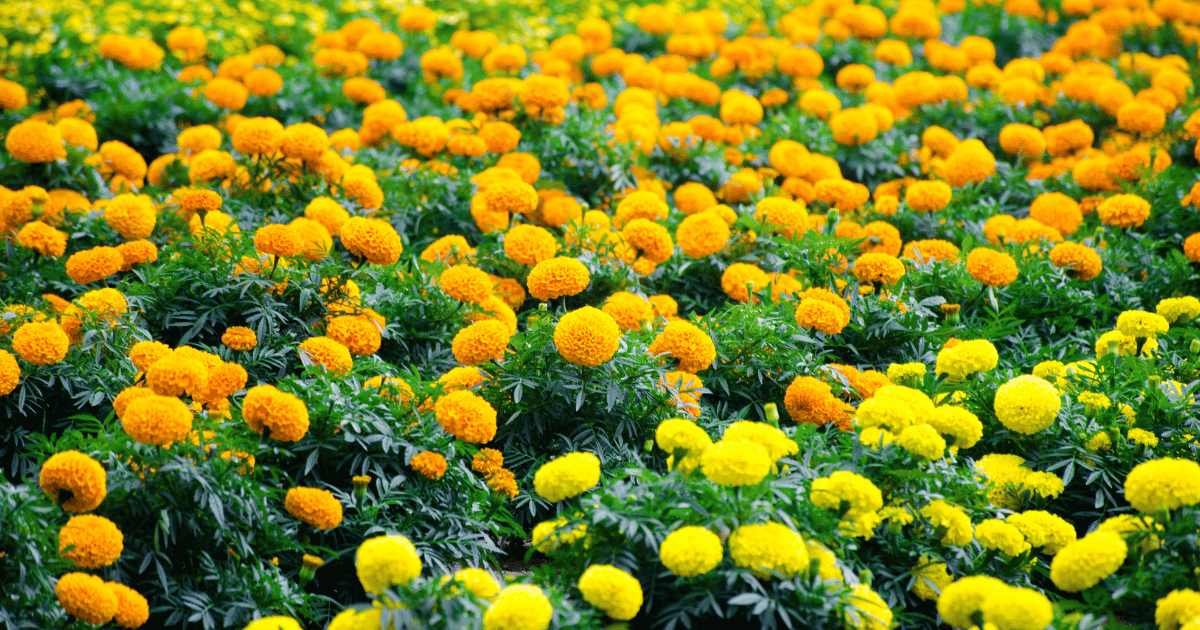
(771, 412)
(1195, 347)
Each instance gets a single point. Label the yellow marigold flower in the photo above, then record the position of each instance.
(35, 142)
(932, 578)
(158, 420)
(87, 597)
(996, 534)
(90, 541)
(80, 476)
(768, 549)
(1083, 563)
(557, 277)
(304, 141)
(1043, 529)
(691, 551)
(856, 492)
(328, 353)
(687, 342)
(1178, 310)
(139, 252)
(239, 338)
(257, 136)
(78, 133)
(1177, 609)
(821, 315)
(226, 93)
(874, 268)
(630, 311)
(682, 438)
(316, 507)
(943, 516)
(853, 126)
(866, 610)
(962, 600)
(92, 265)
(386, 561)
(1163, 484)
(1141, 324)
(466, 416)
(41, 343)
(962, 427)
(567, 476)
(372, 239)
(991, 268)
(487, 460)
(587, 336)
(736, 462)
(922, 440)
(967, 359)
(529, 244)
(132, 608)
(285, 416)
(1014, 608)
(503, 482)
(278, 240)
(518, 607)
(1124, 211)
(1027, 404)
(176, 375)
(431, 465)
(611, 590)
(273, 623)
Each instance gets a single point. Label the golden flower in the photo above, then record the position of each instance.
(1079, 261)
(157, 420)
(466, 284)
(558, 277)
(328, 353)
(687, 342)
(41, 343)
(587, 336)
(42, 239)
(86, 597)
(35, 141)
(132, 608)
(1141, 116)
(821, 315)
(878, 268)
(381, 46)
(466, 416)
(91, 265)
(316, 507)
(991, 268)
(373, 239)
(431, 465)
(304, 141)
(10, 373)
(528, 244)
(853, 126)
(284, 415)
(90, 541)
(12, 95)
(256, 136)
(1124, 211)
(480, 342)
(139, 252)
(132, 216)
(263, 82)
(78, 133)
(226, 93)
(79, 476)
(358, 333)
(501, 137)
(211, 165)
(177, 374)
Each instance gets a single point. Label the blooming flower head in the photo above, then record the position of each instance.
(691, 551)
(1163, 484)
(1083, 563)
(567, 476)
(90, 541)
(86, 597)
(768, 549)
(466, 416)
(314, 506)
(386, 561)
(587, 336)
(991, 268)
(431, 465)
(611, 590)
(1027, 404)
(518, 607)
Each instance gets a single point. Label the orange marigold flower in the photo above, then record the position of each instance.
(1124, 211)
(139, 252)
(1079, 261)
(702, 234)
(1057, 211)
(587, 336)
(316, 507)
(358, 333)
(79, 476)
(431, 465)
(86, 597)
(35, 141)
(480, 342)
(928, 196)
(810, 400)
(466, 416)
(41, 343)
(487, 461)
(239, 338)
(558, 277)
(42, 239)
(931, 249)
(157, 420)
(92, 265)
(373, 239)
(822, 316)
(10, 373)
(328, 353)
(90, 541)
(529, 244)
(132, 608)
(687, 342)
(872, 268)
(992, 268)
(265, 408)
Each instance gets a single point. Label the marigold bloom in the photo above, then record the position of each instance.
(1027, 404)
(285, 416)
(92, 265)
(90, 541)
(611, 590)
(587, 336)
(992, 268)
(1124, 211)
(132, 608)
(558, 277)
(466, 416)
(518, 607)
(42, 239)
(928, 196)
(1083, 563)
(41, 343)
(35, 142)
(79, 476)
(158, 420)
(372, 239)
(86, 597)
(567, 476)
(875, 268)
(691, 551)
(767, 549)
(316, 507)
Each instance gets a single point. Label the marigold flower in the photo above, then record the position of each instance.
(611, 590)
(466, 416)
(480, 342)
(91, 542)
(946, 517)
(1027, 404)
(35, 141)
(567, 476)
(687, 342)
(41, 343)
(1083, 563)
(316, 507)
(874, 268)
(558, 277)
(328, 353)
(691, 551)
(158, 420)
(42, 239)
(518, 607)
(87, 597)
(285, 416)
(822, 316)
(372, 239)
(386, 561)
(132, 608)
(1163, 484)
(1178, 609)
(587, 336)
(768, 549)
(991, 268)
(928, 196)
(10, 373)
(92, 265)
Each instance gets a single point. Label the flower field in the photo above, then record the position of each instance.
(528, 315)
